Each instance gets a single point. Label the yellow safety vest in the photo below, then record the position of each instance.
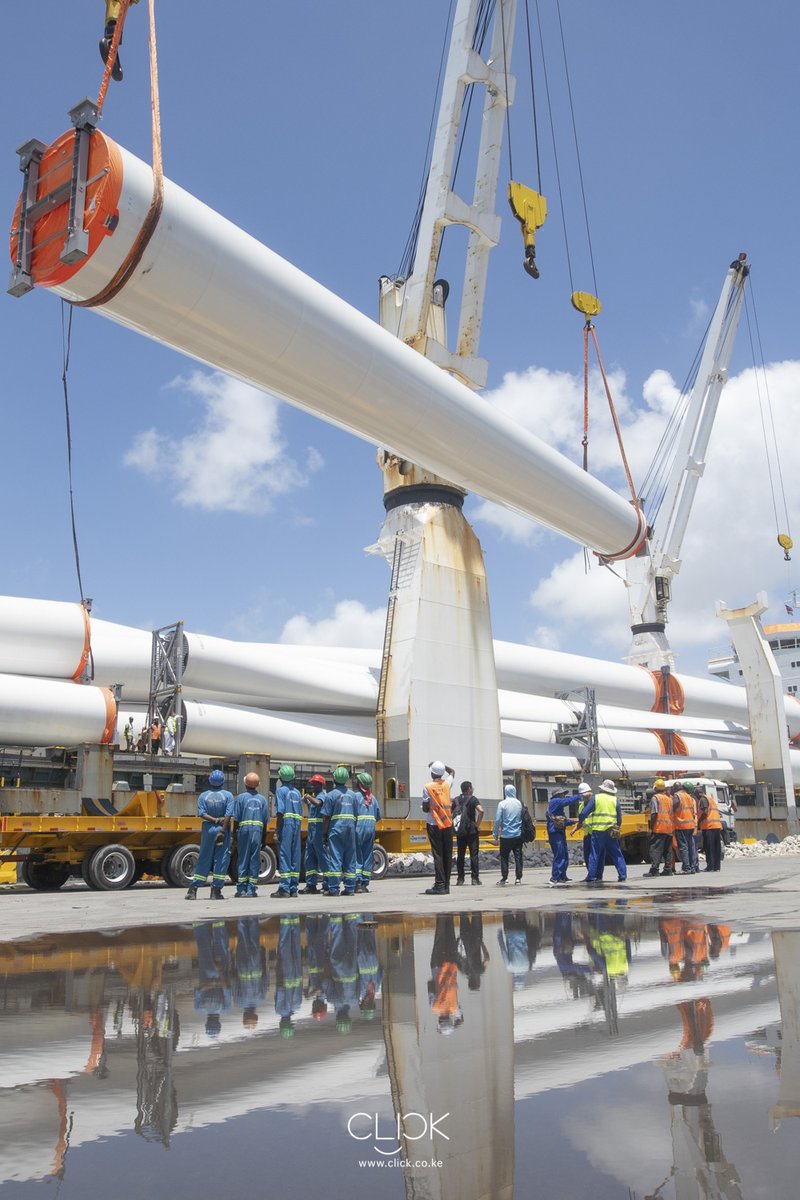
(604, 815)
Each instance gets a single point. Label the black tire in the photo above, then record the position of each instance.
(180, 865)
(86, 862)
(380, 862)
(45, 877)
(112, 868)
(268, 865)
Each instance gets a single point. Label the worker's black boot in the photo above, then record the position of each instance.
(216, 894)
(105, 50)
(191, 894)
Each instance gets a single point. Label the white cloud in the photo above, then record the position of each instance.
(729, 551)
(351, 625)
(235, 460)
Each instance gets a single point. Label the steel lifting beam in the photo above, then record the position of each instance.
(84, 117)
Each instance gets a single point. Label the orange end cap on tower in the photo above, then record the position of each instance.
(101, 212)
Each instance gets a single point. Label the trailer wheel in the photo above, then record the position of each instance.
(179, 866)
(86, 863)
(380, 862)
(45, 877)
(112, 868)
(267, 865)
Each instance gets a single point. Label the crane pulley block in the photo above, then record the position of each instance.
(586, 303)
(530, 209)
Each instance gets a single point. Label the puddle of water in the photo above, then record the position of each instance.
(603, 1051)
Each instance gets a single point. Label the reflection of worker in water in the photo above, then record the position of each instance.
(288, 974)
(343, 986)
(473, 955)
(369, 968)
(607, 945)
(212, 995)
(317, 950)
(576, 975)
(519, 944)
(251, 980)
(699, 1166)
(443, 984)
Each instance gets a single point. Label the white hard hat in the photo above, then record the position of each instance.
(584, 789)
(608, 785)
(437, 768)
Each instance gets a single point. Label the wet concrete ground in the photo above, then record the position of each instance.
(762, 892)
(635, 1042)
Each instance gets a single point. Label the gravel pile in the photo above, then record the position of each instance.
(422, 864)
(789, 845)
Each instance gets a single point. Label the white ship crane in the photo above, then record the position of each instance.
(650, 573)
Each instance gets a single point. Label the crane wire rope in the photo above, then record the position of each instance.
(767, 423)
(577, 145)
(410, 249)
(150, 223)
(66, 346)
(546, 78)
(533, 97)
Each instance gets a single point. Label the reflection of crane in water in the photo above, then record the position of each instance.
(699, 1166)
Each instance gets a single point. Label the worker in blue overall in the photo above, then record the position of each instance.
(369, 968)
(316, 862)
(339, 834)
(288, 818)
(317, 954)
(343, 987)
(558, 820)
(214, 808)
(251, 979)
(288, 974)
(251, 817)
(212, 995)
(368, 813)
(602, 815)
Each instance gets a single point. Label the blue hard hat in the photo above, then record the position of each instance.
(216, 779)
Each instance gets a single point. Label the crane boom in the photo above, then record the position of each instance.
(650, 573)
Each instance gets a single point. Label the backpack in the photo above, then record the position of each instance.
(528, 827)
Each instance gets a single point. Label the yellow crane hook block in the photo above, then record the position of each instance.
(786, 544)
(586, 303)
(530, 209)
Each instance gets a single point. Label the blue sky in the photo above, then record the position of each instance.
(307, 125)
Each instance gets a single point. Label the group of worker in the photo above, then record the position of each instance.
(679, 812)
(339, 843)
(335, 967)
(151, 739)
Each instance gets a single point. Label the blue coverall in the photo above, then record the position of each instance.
(343, 988)
(251, 814)
(367, 815)
(316, 859)
(212, 995)
(251, 983)
(288, 971)
(317, 938)
(558, 837)
(215, 851)
(289, 814)
(340, 806)
(369, 968)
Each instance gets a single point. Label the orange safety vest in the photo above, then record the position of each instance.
(672, 930)
(696, 939)
(446, 1000)
(662, 818)
(685, 815)
(440, 809)
(711, 819)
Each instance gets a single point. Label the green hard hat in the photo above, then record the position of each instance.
(364, 778)
(688, 787)
(344, 1025)
(341, 775)
(287, 1029)
(286, 773)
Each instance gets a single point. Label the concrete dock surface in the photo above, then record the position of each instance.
(753, 893)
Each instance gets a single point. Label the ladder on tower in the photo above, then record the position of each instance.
(380, 715)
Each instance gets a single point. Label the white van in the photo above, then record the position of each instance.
(725, 802)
